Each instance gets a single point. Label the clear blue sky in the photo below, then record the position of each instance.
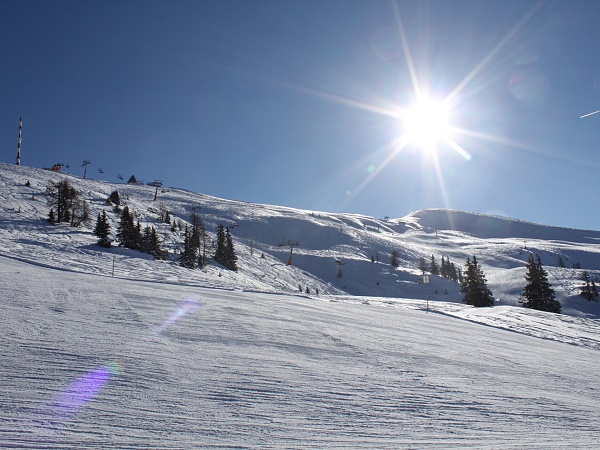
(288, 102)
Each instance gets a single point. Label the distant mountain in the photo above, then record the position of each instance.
(486, 226)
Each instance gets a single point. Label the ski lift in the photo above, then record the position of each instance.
(100, 170)
(120, 177)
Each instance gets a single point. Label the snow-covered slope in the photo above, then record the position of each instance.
(325, 240)
(108, 348)
(93, 362)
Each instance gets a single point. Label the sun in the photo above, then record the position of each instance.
(426, 124)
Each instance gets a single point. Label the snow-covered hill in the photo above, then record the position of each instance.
(502, 245)
(158, 356)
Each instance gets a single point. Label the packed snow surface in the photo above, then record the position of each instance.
(107, 348)
(262, 370)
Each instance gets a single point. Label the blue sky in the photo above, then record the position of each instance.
(294, 102)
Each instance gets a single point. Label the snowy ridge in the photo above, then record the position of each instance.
(485, 226)
(159, 356)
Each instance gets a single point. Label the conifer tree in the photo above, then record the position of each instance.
(138, 239)
(198, 238)
(538, 292)
(453, 274)
(221, 253)
(203, 250)
(588, 290)
(395, 259)
(126, 231)
(433, 268)
(474, 286)
(595, 293)
(231, 259)
(146, 239)
(422, 265)
(188, 255)
(150, 243)
(102, 230)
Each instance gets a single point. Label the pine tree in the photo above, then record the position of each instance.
(475, 286)
(188, 255)
(146, 240)
(231, 260)
(198, 238)
(151, 243)
(395, 259)
(538, 292)
(422, 265)
(220, 253)
(433, 268)
(453, 273)
(138, 238)
(102, 230)
(595, 293)
(126, 231)
(202, 252)
(588, 290)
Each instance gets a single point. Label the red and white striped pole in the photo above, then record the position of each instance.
(19, 143)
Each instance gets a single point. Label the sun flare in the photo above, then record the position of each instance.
(426, 123)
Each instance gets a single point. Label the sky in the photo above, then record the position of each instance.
(308, 103)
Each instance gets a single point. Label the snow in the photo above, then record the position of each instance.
(158, 356)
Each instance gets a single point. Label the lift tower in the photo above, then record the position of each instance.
(19, 142)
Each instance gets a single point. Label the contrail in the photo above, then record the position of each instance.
(590, 114)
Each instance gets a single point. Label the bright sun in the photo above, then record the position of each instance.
(426, 124)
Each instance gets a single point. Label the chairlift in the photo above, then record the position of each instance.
(120, 177)
(100, 170)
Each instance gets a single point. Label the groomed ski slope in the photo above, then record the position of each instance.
(88, 361)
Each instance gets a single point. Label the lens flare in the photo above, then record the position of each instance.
(82, 391)
(187, 306)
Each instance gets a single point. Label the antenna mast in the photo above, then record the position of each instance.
(19, 142)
